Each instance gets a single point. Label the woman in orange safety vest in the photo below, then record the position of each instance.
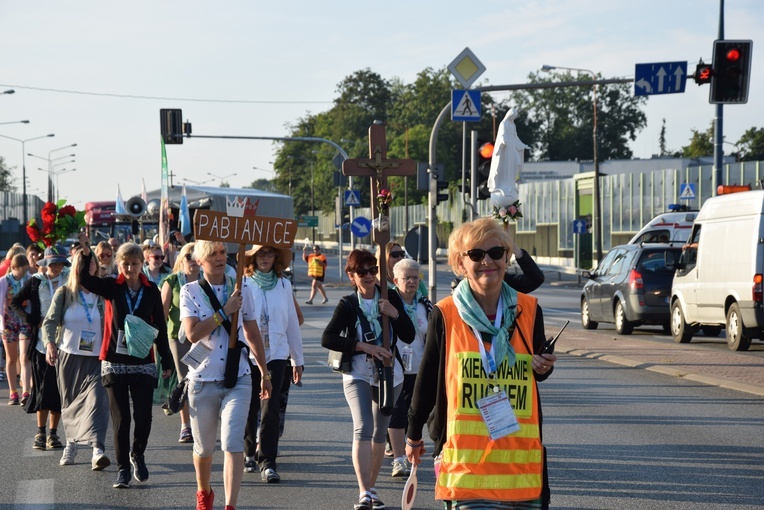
(482, 350)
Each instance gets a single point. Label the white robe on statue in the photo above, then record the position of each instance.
(507, 163)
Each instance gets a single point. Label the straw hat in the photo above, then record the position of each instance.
(284, 255)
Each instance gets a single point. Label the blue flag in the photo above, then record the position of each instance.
(184, 220)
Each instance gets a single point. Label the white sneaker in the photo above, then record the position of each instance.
(400, 468)
(70, 452)
(100, 460)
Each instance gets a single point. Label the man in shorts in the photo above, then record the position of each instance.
(317, 269)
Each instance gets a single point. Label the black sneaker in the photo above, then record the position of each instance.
(140, 471)
(270, 475)
(123, 479)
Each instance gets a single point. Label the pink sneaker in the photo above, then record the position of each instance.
(13, 399)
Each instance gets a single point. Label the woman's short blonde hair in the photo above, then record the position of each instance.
(128, 251)
(203, 249)
(14, 250)
(470, 234)
(184, 250)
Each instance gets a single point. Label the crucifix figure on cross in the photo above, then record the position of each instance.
(378, 168)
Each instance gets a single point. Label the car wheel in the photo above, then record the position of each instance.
(737, 340)
(711, 331)
(586, 321)
(679, 330)
(622, 325)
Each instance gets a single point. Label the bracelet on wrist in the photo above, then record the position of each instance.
(266, 377)
(414, 445)
(217, 321)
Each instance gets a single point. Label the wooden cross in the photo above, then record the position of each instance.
(378, 168)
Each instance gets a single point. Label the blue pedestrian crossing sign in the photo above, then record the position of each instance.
(660, 78)
(465, 105)
(579, 227)
(360, 227)
(687, 191)
(352, 197)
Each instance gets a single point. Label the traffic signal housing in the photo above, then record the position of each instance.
(703, 73)
(171, 125)
(731, 72)
(442, 197)
(485, 154)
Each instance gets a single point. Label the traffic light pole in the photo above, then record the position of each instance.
(719, 120)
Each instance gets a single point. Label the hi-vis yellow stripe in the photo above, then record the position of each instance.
(497, 456)
(498, 482)
(478, 428)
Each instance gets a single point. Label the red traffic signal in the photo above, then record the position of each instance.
(703, 73)
(731, 73)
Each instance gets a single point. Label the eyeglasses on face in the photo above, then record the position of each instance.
(478, 254)
(104, 255)
(265, 254)
(188, 257)
(363, 272)
(398, 254)
(157, 257)
(414, 278)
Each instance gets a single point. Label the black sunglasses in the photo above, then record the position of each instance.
(398, 254)
(189, 257)
(478, 254)
(363, 272)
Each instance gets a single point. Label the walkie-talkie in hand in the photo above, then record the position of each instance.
(549, 344)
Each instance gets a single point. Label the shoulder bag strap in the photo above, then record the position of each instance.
(205, 285)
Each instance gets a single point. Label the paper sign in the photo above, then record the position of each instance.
(218, 226)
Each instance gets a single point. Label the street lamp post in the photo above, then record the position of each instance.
(56, 173)
(596, 191)
(15, 122)
(222, 179)
(25, 215)
(51, 165)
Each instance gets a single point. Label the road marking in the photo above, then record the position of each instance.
(316, 324)
(35, 494)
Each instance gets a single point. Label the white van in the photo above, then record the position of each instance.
(667, 227)
(718, 279)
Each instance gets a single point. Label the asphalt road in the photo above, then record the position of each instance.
(619, 436)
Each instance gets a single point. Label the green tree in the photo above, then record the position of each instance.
(701, 143)
(6, 178)
(561, 120)
(751, 145)
(262, 184)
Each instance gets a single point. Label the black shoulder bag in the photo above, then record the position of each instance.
(234, 353)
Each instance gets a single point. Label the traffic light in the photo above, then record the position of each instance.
(484, 169)
(171, 125)
(442, 197)
(731, 72)
(703, 73)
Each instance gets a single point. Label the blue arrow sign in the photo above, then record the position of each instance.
(579, 227)
(360, 227)
(465, 105)
(660, 78)
(352, 197)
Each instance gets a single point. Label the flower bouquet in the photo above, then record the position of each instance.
(384, 199)
(504, 214)
(59, 221)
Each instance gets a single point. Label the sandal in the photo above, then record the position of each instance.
(364, 502)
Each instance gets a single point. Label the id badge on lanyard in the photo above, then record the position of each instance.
(497, 412)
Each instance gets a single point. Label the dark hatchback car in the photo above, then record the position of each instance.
(631, 287)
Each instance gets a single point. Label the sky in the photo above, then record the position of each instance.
(96, 73)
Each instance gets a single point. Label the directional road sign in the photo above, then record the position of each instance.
(352, 197)
(361, 227)
(579, 227)
(687, 191)
(307, 221)
(465, 105)
(660, 78)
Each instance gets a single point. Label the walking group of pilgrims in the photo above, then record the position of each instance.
(89, 334)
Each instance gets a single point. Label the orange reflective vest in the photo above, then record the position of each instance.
(472, 465)
(316, 265)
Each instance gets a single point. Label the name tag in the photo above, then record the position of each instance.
(87, 338)
(498, 415)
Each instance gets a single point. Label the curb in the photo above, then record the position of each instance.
(690, 376)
